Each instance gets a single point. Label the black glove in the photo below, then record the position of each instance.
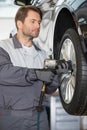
(50, 88)
(45, 75)
(40, 74)
(62, 67)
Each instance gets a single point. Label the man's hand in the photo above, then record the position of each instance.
(45, 75)
(52, 87)
(62, 67)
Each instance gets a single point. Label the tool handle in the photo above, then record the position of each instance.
(40, 106)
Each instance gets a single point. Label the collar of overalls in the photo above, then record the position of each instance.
(17, 44)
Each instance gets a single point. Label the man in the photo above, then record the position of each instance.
(22, 76)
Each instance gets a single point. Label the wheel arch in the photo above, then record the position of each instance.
(64, 21)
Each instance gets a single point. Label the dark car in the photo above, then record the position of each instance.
(65, 26)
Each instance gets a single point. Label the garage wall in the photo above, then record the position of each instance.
(6, 26)
(60, 120)
(7, 13)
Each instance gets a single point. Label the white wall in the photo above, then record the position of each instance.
(6, 26)
(7, 23)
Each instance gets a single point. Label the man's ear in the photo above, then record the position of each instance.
(19, 24)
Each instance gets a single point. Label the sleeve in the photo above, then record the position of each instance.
(12, 75)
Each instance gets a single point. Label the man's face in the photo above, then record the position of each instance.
(31, 25)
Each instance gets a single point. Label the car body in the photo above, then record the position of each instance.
(64, 26)
(61, 15)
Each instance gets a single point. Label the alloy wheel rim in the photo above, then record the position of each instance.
(68, 80)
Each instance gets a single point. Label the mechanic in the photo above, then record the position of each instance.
(22, 74)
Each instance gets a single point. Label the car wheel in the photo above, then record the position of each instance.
(73, 88)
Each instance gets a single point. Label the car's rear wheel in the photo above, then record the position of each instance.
(73, 89)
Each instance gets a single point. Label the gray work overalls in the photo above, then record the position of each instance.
(18, 94)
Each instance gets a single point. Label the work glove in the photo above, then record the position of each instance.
(52, 87)
(40, 74)
(45, 75)
(63, 66)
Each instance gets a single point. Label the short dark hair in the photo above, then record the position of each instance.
(23, 11)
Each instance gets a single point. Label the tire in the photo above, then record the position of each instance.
(73, 88)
